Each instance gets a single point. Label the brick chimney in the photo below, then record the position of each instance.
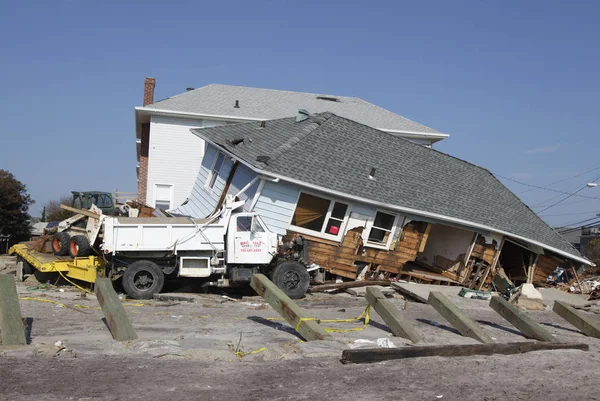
(149, 84)
(149, 91)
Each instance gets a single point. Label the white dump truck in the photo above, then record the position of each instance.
(224, 250)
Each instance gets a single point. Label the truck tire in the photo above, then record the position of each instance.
(79, 246)
(60, 243)
(291, 278)
(143, 279)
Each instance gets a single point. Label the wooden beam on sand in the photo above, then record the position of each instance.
(12, 329)
(385, 354)
(391, 315)
(520, 320)
(116, 317)
(457, 318)
(307, 327)
(578, 319)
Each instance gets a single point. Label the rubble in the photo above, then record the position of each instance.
(527, 297)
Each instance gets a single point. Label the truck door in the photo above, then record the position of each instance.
(250, 241)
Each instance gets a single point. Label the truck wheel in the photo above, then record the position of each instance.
(291, 278)
(143, 279)
(60, 243)
(79, 246)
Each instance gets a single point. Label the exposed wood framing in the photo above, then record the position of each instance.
(493, 264)
(227, 185)
(544, 267)
(346, 258)
(531, 268)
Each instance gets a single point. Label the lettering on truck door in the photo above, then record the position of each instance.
(250, 247)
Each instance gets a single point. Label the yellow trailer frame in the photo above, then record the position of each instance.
(84, 269)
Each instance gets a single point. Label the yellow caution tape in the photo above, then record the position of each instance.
(366, 315)
(241, 354)
(41, 300)
(72, 283)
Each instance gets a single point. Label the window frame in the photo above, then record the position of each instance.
(370, 225)
(212, 174)
(171, 195)
(322, 233)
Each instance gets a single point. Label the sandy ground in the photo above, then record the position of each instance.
(186, 351)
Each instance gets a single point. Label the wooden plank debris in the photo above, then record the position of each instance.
(520, 320)
(391, 315)
(118, 322)
(405, 289)
(84, 212)
(457, 318)
(12, 329)
(307, 327)
(578, 319)
(385, 354)
(348, 284)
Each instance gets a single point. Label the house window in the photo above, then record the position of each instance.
(163, 195)
(214, 173)
(320, 215)
(382, 230)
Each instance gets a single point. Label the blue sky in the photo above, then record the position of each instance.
(515, 83)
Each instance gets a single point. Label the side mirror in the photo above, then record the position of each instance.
(253, 225)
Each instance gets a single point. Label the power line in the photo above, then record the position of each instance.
(572, 230)
(569, 214)
(578, 222)
(563, 180)
(548, 189)
(564, 199)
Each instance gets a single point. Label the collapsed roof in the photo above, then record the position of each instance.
(349, 159)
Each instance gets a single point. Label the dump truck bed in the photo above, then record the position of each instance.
(84, 269)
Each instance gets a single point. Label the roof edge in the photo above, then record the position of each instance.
(151, 111)
(199, 133)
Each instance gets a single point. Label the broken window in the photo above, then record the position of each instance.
(381, 231)
(214, 173)
(319, 214)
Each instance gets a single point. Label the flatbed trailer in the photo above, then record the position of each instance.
(84, 268)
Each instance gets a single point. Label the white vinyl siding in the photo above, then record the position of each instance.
(276, 205)
(174, 155)
(243, 176)
(202, 200)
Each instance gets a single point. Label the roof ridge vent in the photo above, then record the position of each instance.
(302, 115)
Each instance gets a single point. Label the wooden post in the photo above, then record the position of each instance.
(577, 278)
(577, 319)
(531, 270)
(308, 328)
(12, 329)
(520, 320)
(112, 307)
(391, 316)
(494, 263)
(457, 318)
(385, 354)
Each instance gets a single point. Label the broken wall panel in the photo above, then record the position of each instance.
(347, 258)
(545, 266)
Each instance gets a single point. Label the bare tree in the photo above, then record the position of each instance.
(53, 210)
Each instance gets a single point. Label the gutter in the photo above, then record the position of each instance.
(396, 208)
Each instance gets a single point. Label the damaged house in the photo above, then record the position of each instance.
(369, 204)
(163, 136)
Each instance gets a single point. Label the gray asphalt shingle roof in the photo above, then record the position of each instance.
(269, 104)
(336, 153)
